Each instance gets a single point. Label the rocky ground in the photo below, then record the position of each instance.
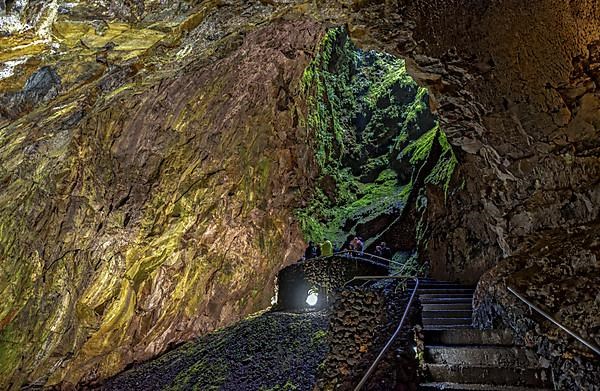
(271, 351)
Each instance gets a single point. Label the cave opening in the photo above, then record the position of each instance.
(377, 143)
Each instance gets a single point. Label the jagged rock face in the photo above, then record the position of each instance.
(546, 270)
(519, 96)
(148, 204)
(146, 201)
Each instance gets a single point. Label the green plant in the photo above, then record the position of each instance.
(366, 115)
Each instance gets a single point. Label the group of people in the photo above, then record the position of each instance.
(355, 245)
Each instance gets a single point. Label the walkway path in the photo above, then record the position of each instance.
(460, 357)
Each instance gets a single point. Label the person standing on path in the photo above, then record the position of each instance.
(312, 251)
(360, 246)
(326, 248)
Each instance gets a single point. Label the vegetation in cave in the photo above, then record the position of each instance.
(373, 132)
(266, 352)
(162, 160)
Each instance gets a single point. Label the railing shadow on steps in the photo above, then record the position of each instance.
(588, 344)
(392, 339)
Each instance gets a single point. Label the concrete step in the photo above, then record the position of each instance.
(468, 299)
(440, 285)
(469, 336)
(509, 376)
(483, 355)
(446, 327)
(473, 387)
(436, 282)
(447, 321)
(444, 306)
(468, 313)
(449, 296)
(425, 280)
(449, 291)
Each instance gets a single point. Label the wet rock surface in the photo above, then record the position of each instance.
(511, 122)
(148, 204)
(111, 244)
(41, 87)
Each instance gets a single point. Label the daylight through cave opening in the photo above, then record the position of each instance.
(376, 142)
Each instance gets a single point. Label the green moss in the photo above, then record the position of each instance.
(288, 386)
(319, 337)
(418, 151)
(338, 86)
(325, 83)
(266, 349)
(391, 72)
(203, 375)
(372, 130)
(441, 174)
(10, 352)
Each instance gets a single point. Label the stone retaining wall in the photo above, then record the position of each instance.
(322, 275)
(361, 322)
(560, 274)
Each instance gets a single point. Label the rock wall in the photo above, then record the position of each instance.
(324, 276)
(361, 321)
(517, 89)
(560, 274)
(149, 201)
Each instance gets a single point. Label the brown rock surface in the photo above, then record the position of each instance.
(154, 193)
(147, 207)
(560, 274)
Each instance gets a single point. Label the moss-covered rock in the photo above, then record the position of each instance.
(268, 352)
(373, 132)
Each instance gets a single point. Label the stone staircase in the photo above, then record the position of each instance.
(460, 357)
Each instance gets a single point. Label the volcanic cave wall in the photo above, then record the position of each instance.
(518, 92)
(145, 208)
(151, 198)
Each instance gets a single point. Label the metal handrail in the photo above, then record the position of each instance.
(590, 345)
(340, 253)
(396, 275)
(371, 278)
(394, 336)
(378, 257)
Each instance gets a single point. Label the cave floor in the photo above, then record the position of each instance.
(268, 351)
